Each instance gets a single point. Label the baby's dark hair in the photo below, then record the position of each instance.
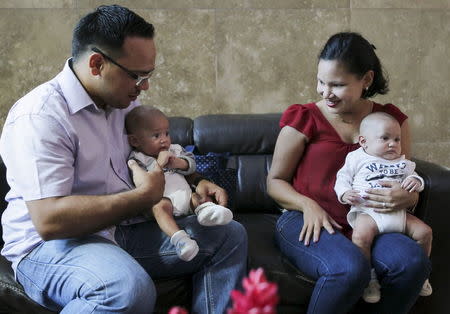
(141, 117)
(359, 57)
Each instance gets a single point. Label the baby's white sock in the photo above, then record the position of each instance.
(186, 248)
(210, 214)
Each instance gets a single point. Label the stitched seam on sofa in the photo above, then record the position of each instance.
(11, 287)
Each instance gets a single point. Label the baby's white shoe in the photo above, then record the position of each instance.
(426, 289)
(186, 248)
(211, 214)
(372, 292)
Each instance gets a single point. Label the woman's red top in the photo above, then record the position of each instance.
(323, 156)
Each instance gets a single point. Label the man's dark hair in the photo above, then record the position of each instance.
(106, 28)
(358, 56)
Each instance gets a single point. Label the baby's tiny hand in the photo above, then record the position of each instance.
(164, 158)
(177, 163)
(411, 184)
(352, 197)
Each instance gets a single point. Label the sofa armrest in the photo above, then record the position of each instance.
(435, 198)
(433, 208)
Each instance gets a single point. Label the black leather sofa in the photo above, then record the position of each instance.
(251, 139)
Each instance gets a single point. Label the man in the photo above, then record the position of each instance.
(65, 150)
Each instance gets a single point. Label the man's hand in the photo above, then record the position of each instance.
(151, 183)
(207, 189)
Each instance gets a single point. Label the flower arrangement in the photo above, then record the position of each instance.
(260, 296)
(177, 310)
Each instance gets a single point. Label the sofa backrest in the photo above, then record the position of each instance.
(250, 139)
(239, 134)
(181, 130)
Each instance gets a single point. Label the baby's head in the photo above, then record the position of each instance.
(148, 130)
(379, 135)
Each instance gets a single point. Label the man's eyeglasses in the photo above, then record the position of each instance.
(139, 79)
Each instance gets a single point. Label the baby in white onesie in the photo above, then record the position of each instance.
(148, 134)
(379, 159)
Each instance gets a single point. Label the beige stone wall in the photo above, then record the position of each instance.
(250, 56)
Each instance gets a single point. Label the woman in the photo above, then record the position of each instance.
(311, 147)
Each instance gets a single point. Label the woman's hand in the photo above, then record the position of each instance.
(314, 218)
(391, 198)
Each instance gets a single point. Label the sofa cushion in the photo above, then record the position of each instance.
(173, 292)
(251, 193)
(12, 296)
(294, 288)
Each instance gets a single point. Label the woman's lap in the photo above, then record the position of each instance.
(401, 266)
(335, 262)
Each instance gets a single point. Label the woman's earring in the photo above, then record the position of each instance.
(365, 92)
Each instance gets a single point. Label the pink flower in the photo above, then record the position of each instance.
(260, 295)
(177, 310)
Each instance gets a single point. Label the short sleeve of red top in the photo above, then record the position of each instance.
(324, 155)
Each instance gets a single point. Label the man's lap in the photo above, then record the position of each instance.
(153, 250)
(93, 257)
(58, 271)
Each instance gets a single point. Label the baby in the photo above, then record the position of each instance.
(379, 158)
(148, 135)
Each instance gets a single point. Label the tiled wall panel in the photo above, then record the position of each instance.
(250, 56)
(403, 4)
(36, 4)
(267, 59)
(414, 46)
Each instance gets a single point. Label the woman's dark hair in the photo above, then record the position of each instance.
(106, 28)
(358, 56)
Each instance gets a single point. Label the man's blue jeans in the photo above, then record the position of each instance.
(92, 275)
(342, 272)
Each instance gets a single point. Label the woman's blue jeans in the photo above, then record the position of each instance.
(93, 275)
(342, 272)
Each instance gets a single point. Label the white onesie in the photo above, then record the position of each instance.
(176, 189)
(362, 171)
